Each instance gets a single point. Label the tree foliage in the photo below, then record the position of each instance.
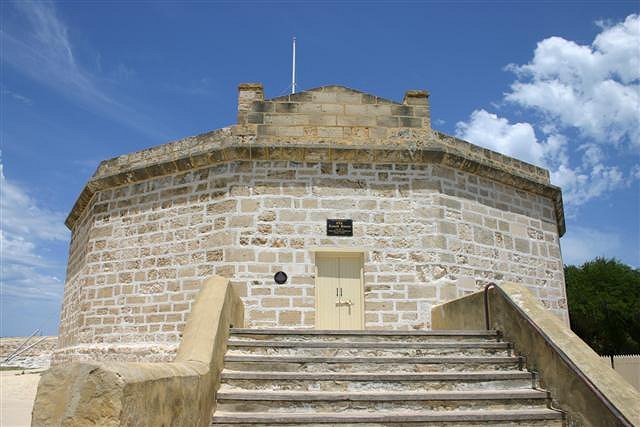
(604, 305)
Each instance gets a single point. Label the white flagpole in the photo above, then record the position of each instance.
(293, 69)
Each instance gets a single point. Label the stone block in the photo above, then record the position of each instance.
(356, 121)
(445, 227)
(322, 120)
(448, 292)
(262, 315)
(239, 255)
(275, 302)
(267, 216)
(287, 318)
(222, 207)
(410, 122)
(522, 245)
(290, 215)
(330, 132)
(332, 108)
(483, 236)
(386, 121)
(324, 97)
(242, 221)
(290, 131)
(286, 107)
(249, 205)
(421, 291)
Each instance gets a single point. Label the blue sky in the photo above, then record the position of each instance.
(552, 83)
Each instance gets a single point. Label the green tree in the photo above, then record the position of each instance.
(604, 305)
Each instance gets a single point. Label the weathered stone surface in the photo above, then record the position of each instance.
(154, 258)
(340, 117)
(345, 377)
(535, 332)
(246, 201)
(147, 394)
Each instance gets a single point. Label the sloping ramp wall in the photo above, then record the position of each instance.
(581, 383)
(628, 366)
(180, 393)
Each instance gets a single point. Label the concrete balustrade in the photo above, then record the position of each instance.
(580, 382)
(148, 394)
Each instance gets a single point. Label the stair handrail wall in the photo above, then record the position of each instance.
(566, 359)
(178, 393)
(589, 391)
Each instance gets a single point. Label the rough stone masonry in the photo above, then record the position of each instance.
(436, 218)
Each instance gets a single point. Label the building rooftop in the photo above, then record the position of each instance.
(328, 123)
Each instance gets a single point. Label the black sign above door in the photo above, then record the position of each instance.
(340, 227)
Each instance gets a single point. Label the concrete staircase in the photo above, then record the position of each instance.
(375, 378)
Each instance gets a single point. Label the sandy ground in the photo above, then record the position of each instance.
(17, 392)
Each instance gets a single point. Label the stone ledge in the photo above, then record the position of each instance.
(404, 417)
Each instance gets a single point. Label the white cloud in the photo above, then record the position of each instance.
(582, 244)
(591, 88)
(16, 96)
(582, 184)
(22, 216)
(36, 42)
(496, 133)
(44, 52)
(589, 180)
(28, 282)
(27, 270)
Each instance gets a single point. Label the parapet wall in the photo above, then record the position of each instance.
(332, 112)
(179, 393)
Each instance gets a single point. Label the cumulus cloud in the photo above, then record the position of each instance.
(586, 181)
(26, 229)
(489, 130)
(496, 133)
(591, 89)
(582, 244)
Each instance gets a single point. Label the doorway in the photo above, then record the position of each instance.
(339, 290)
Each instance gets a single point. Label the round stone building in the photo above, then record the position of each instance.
(372, 216)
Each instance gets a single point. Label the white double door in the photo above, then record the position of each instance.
(339, 291)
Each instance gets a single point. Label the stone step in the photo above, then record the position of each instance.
(366, 348)
(322, 401)
(348, 382)
(504, 418)
(370, 364)
(359, 335)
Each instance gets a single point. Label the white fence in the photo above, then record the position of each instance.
(628, 366)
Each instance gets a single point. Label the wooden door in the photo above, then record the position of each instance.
(339, 293)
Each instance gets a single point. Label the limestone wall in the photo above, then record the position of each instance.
(329, 112)
(431, 234)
